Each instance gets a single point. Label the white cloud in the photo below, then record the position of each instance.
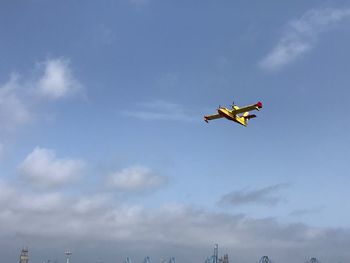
(42, 168)
(137, 178)
(91, 204)
(5, 192)
(58, 80)
(162, 110)
(301, 36)
(45, 202)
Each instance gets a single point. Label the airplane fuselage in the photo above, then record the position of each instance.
(226, 113)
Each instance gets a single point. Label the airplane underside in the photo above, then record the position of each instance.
(226, 114)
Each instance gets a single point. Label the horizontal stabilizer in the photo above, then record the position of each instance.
(251, 116)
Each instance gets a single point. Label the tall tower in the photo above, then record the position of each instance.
(24, 258)
(68, 253)
(216, 253)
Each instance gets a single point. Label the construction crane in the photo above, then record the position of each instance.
(313, 260)
(265, 259)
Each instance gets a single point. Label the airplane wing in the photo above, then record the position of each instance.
(256, 106)
(212, 117)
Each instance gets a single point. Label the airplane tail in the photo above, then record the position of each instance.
(247, 117)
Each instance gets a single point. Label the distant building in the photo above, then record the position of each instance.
(215, 257)
(224, 259)
(24, 258)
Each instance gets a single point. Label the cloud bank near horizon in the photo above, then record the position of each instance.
(102, 218)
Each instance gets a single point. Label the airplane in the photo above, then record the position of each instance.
(236, 113)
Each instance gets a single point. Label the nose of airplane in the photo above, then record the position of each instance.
(259, 104)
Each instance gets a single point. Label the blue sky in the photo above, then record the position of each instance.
(103, 143)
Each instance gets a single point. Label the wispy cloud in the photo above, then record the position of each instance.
(136, 178)
(263, 196)
(161, 110)
(42, 168)
(303, 212)
(14, 108)
(301, 35)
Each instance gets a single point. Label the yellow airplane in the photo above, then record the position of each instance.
(236, 113)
